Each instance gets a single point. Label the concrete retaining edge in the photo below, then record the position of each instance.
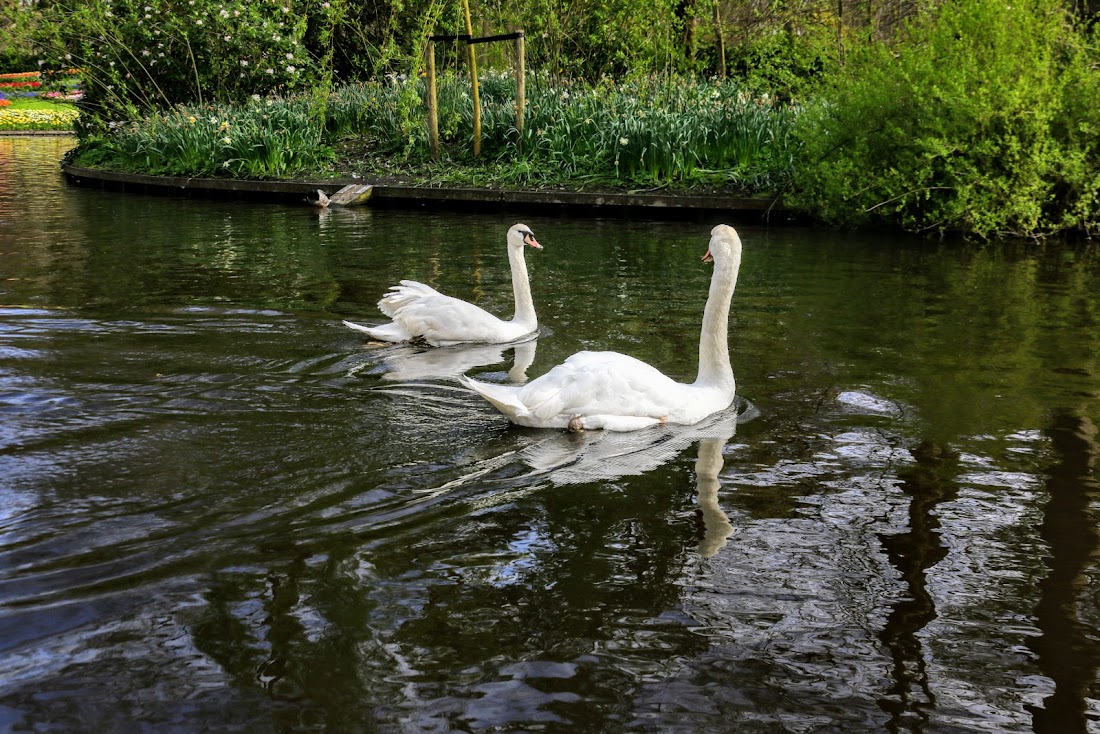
(603, 204)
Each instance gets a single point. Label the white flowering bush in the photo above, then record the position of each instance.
(141, 55)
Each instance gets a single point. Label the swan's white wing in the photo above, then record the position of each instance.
(399, 296)
(600, 383)
(443, 320)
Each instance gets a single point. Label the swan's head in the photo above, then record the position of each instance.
(520, 235)
(723, 242)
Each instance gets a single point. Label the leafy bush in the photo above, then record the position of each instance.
(784, 63)
(981, 120)
(17, 50)
(142, 55)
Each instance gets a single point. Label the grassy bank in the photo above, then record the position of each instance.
(646, 133)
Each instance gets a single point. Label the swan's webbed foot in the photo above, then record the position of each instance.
(576, 424)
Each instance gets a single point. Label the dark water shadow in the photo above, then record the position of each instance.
(928, 483)
(1068, 650)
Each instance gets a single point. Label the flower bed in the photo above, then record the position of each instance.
(61, 118)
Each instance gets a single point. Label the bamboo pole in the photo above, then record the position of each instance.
(521, 88)
(721, 41)
(433, 107)
(472, 57)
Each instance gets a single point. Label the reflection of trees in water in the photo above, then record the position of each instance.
(505, 618)
(300, 634)
(1068, 650)
(928, 483)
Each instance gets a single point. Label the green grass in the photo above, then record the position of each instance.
(34, 103)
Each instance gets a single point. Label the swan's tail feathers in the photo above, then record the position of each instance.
(357, 327)
(386, 332)
(400, 296)
(502, 397)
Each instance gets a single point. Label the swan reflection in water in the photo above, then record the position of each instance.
(563, 458)
(595, 456)
(411, 362)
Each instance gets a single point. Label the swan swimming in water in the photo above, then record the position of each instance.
(617, 392)
(421, 312)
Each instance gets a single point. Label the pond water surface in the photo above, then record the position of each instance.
(221, 511)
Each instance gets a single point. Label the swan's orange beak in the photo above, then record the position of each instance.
(708, 258)
(529, 239)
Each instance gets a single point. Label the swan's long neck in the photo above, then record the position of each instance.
(715, 369)
(521, 287)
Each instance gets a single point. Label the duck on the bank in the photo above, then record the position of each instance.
(419, 312)
(617, 392)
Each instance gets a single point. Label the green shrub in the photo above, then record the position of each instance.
(784, 63)
(981, 120)
(142, 55)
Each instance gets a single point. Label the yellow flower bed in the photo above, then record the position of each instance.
(60, 119)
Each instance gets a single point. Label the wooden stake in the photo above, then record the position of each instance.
(472, 57)
(521, 88)
(721, 41)
(433, 107)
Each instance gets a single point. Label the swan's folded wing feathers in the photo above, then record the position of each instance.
(592, 383)
(405, 294)
(443, 320)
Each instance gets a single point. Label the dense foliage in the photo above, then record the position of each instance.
(17, 48)
(142, 55)
(970, 123)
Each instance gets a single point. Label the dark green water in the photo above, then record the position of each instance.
(220, 512)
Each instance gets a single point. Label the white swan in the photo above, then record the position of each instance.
(421, 312)
(619, 393)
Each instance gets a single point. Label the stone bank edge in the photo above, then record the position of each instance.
(652, 205)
